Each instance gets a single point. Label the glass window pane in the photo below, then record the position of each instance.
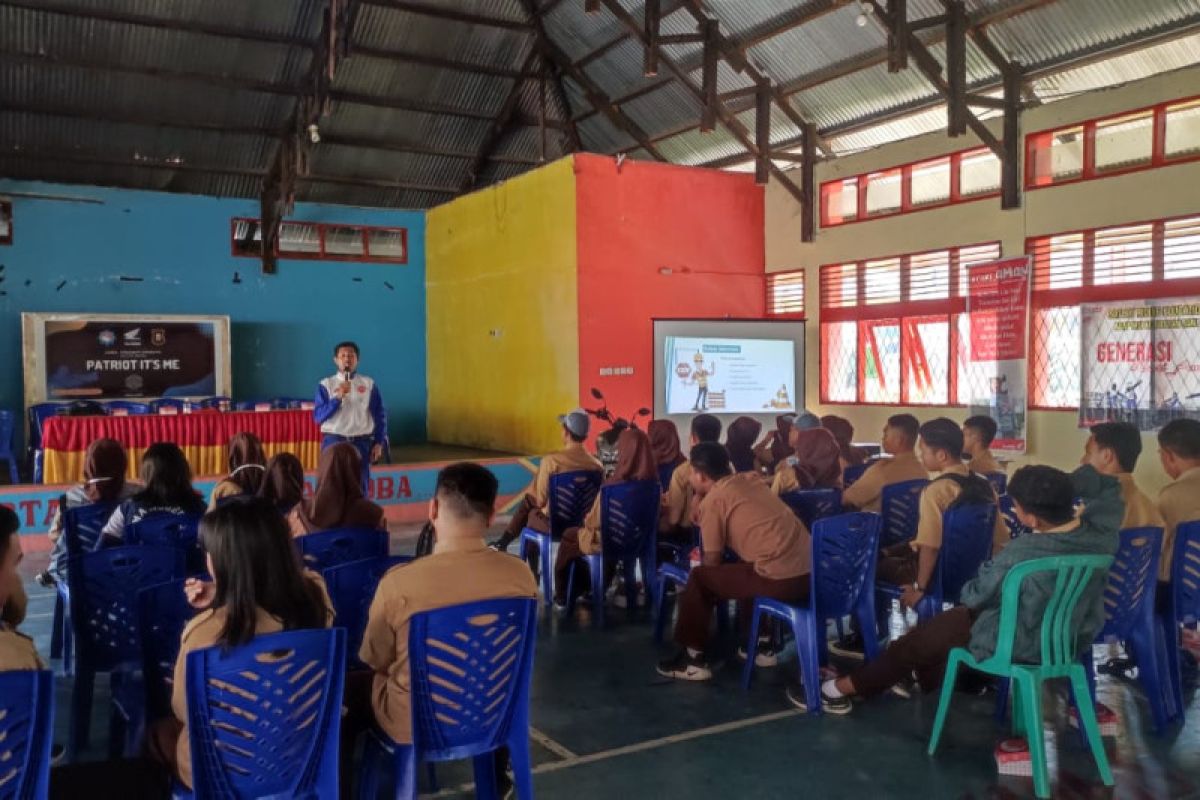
(839, 362)
(931, 182)
(881, 281)
(839, 285)
(926, 360)
(1123, 255)
(881, 361)
(302, 238)
(386, 243)
(785, 293)
(963, 374)
(979, 173)
(1058, 156)
(1124, 142)
(883, 192)
(1055, 363)
(343, 241)
(929, 276)
(247, 237)
(1183, 129)
(1058, 262)
(1181, 249)
(839, 201)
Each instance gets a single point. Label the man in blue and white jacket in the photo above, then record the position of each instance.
(350, 409)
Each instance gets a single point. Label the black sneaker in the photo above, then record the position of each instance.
(1118, 667)
(830, 705)
(849, 646)
(766, 655)
(45, 580)
(906, 688)
(684, 667)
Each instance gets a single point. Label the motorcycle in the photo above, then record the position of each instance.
(606, 442)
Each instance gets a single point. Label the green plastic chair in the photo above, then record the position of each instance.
(1059, 660)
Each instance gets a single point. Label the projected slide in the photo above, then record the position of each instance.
(729, 376)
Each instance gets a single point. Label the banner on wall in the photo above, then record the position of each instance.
(1140, 362)
(996, 367)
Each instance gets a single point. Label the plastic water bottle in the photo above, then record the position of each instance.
(897, 625)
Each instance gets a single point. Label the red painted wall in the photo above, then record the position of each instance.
(637, 219)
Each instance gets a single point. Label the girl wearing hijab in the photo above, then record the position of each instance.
(283, 482)
(775, 449)
(843, 432)
(739, 442)
(339, 501)
(167, 490)
(247, 463)
(104, 466)
(813, 465)
(635, 462)
(664, 443)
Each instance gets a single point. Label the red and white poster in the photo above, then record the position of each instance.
(998, 331)
(1140, 362)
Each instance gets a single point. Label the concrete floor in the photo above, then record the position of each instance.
(606, 725)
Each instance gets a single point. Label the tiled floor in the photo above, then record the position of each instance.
(606, 726)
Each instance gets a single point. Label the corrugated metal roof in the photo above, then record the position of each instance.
(130, 112)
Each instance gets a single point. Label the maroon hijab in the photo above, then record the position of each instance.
(780, 449)
(339, 501)
(635, 458)
(817, 459)
(843, 432)
(664, 441)
(739, 442)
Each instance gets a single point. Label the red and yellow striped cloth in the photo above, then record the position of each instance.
(203, 437)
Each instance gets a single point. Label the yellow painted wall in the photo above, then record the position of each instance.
(503, 316)
(1054, 437)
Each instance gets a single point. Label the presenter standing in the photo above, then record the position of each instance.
(350, 409)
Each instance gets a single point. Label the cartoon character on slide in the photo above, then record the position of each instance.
(700, 377)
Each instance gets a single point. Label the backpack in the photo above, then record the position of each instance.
(973, 490)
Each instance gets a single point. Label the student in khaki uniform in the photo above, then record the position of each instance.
(1179, 501)
(461, 569)
(17, 651)
(534, 510)
(899, 440)
(978, 433)
(740, 513)
(247, 466)
(1113, 449)
(814, 463)
(911, 564)
(679, 501)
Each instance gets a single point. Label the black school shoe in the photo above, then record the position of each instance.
(841, 706)
(849, 646)
(684, 667)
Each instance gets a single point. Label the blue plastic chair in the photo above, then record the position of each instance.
(245, 405)
(181, 531)
(8, 431)
(81, 528)
(851, 474)
(1183, 602)
(288, 403)
(665, 471)
(571, 497)
(1129, 617)
(966, 543)
(325, 549)
(676, 573)
(210, 403)
(104, 589)
(264, 718)
(163, 613)
(470, 669)
(1015, 528)
(998, 480)
(628, 532)
(901, 503)
(156, 406)
(845, 549)
(38, 413)
(811, 505)
(129, 407)
(351, 587)
(26, 731)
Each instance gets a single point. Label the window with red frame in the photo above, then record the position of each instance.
(892, 328)
(1138, 261)
(6, 222)
(785, 294)
(955, 178)
(1133, 140)
(324, 242)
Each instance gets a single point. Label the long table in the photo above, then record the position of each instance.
(203, 437)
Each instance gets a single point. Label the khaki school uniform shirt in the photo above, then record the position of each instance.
(1140, 510)
(867, 492)
(226, 488)
(984, 463)
(572, 458)
(1179, 502)
(203, 631)
(741, 513)
(936, 499)
(456, 572)
(785, 480)
(678, 500)
(17, 651)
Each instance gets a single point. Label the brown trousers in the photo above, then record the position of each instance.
(526, 515)
(924, 650)
(708, 586)
(897, 564)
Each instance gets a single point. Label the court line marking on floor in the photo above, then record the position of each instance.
(545, 741)
(638, 747)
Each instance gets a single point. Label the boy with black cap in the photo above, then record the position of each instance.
(534, 510)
